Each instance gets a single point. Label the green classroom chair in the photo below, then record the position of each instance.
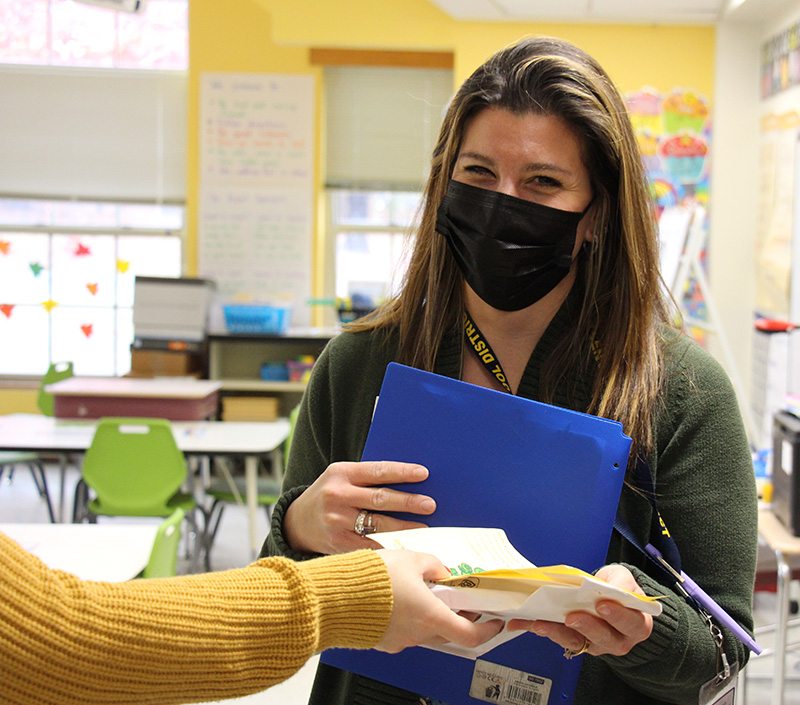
(55, 373)
(287, 444)
(221, 492)
(134, 467)
(10, 459)
(163, 561)
(269, 491)
(45, 401)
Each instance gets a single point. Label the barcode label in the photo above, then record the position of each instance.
(522, 695)
(493, 683)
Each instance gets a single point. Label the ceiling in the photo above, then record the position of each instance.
(617, 11)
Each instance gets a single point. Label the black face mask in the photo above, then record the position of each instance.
(512, 252)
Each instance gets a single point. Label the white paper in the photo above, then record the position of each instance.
(474, 553)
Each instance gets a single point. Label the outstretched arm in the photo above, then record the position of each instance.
(205, 637)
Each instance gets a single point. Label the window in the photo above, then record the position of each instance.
(382, 124)
(370, 230)
(66, 280)
(75, 227)
(68, 33)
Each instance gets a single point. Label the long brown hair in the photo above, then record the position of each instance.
(623, 305)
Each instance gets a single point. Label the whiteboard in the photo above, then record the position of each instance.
(673, 228)
(255, 211)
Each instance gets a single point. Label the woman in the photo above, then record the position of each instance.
(537, 232)
(194, 638)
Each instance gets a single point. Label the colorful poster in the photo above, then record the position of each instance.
(673, 131)
(777, 166)
(780, 62)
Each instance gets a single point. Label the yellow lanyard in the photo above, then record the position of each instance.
(485, 354)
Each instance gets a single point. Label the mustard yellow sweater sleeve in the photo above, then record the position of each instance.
(179, 640)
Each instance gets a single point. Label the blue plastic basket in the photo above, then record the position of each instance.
(251, 318)
(274, 372)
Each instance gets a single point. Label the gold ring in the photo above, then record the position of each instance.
(569, 653)
(364, 525)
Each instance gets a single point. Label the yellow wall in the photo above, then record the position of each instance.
(234, 37)
(274, 36)
(634, 55)
(19, 401)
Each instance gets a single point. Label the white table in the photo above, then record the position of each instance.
(251, 440)
(785, 546)
(108, 552)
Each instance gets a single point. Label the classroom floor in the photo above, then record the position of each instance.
(20, 502)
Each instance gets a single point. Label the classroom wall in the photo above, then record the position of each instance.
(733, 199)
(634, 55)
(235, 40)
(735, 182)
(276, 36)
(19, 401)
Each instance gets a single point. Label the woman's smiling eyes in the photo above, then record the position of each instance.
(482, 174)
(478, 170)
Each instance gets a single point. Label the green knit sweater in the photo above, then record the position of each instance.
(706, 495)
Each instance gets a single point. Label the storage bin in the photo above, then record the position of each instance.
(299, 370)
(274, 372)
(254, 318)
(237, 408)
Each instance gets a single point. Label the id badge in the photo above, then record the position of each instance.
(720, 691)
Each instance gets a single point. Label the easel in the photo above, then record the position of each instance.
(690, 267)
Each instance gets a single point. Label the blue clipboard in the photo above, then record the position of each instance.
(550, 477)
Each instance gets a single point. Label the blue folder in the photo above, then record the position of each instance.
(550, 477)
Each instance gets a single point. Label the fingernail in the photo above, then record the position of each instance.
(428, 505)
(574, 623)
(603, 610)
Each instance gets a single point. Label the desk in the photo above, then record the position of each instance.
(244, 439)
(784, 545)
(173, 398)
(108, 552)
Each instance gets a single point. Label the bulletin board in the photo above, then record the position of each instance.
(673, 131)
(255, 209)
(777, 164)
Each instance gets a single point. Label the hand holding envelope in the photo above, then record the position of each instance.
(491, 578)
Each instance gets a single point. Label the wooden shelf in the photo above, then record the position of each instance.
(236, 359)
(257, 385)
(293, 336)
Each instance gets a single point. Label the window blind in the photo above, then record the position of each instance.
(93, 134)
(382, 124)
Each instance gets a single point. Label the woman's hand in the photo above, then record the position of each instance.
(323, 518)
(616, 631)
(418, 617)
